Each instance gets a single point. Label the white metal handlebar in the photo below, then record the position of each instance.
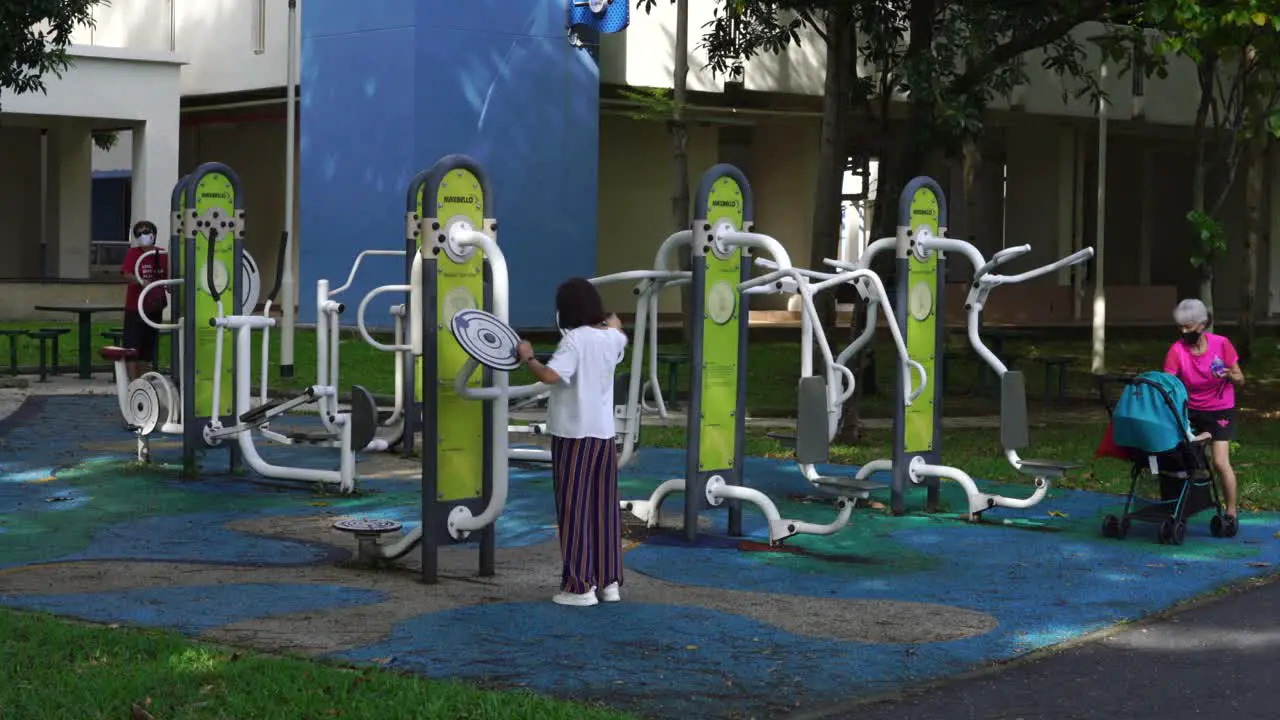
(364, 331)
(142, 302)
(355, 267)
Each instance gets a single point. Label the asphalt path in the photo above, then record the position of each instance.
(1217, 659)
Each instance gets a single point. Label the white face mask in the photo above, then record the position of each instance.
(146, 240)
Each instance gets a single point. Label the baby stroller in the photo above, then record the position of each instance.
(1149, 428)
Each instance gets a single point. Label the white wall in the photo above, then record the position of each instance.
(643, 55)
(110, 88)
(217, 37)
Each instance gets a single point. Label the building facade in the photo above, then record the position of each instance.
(582, 183)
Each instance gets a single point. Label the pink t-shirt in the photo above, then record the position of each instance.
(1205, 390)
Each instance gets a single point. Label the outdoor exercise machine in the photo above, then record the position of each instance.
(214, 375)
(720, 244)
(458, 302)
(921, 251)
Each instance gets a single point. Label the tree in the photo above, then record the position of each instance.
(950, 58)
(34, 35)
(1235, 48)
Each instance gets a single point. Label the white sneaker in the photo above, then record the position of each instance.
(611, 593)
(578, 599)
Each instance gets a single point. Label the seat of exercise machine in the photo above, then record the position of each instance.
(1015, 433)
(812, 441)
(114, 353)
(364, 418)
(259, 413)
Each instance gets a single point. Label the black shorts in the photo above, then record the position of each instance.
(1221, 424)
(140, 336)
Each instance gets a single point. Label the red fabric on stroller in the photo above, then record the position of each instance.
(1109, 448)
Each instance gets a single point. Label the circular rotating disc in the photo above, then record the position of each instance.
(487, 339)
(250, 282)
(143, 406)
(221, 278)
(367, 525)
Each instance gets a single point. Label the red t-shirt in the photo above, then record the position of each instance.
(155, 267)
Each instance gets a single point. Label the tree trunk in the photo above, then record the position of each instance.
(1206, 71)
(1254, 189)
(825, 241)
(680, 155)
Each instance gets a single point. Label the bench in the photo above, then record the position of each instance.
(672, 363)
(1055, 366)
(13, 336)
(987, 380)
(44, 336)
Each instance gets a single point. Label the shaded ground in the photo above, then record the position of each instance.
(706, 631)
(1213, 660)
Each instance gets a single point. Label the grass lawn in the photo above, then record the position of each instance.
(51, 668)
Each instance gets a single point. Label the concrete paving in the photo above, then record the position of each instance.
(1213, 660)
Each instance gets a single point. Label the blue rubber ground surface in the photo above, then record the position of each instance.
(63, 498)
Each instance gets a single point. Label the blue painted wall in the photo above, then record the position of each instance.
(390, 86)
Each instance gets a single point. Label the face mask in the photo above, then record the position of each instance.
(146, 240)
(1191, 339)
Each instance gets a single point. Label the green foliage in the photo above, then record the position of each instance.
(1236, 47)
(34, 35)
(653, 103)
(105, 140)
(952, 58)
(1211, 237)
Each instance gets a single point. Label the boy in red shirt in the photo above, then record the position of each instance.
(138, 335)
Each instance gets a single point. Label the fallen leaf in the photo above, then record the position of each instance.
(690, 647)
(138, 713)
(320, 503)
(1057, 513)
(382, 660)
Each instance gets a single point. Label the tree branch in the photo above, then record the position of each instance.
(814, 25)
(1035, 38)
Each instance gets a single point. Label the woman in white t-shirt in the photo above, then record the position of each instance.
(584, 457)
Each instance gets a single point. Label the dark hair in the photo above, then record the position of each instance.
(143, 226)
(578, 303)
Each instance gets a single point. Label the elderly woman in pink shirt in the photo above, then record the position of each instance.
(1207, 364)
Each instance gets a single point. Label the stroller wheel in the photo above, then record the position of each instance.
(1230, 526)
(1111, 526)
(1172, 532)
(1216, 526)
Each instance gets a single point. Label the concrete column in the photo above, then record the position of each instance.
(71, 193)
(155, 170)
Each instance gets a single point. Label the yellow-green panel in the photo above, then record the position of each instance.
(460, 427)
(718, 436)
(922, 335)
(215, 191)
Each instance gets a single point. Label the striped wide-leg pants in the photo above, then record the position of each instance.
(587, 511)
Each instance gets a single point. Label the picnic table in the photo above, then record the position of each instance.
(84, 313)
